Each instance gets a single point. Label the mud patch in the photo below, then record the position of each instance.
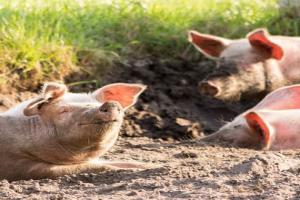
(180, 170)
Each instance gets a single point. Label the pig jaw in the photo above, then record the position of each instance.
(77, 149)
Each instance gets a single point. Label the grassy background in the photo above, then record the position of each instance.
(47, 40)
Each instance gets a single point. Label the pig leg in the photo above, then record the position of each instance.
(123, 165)
(93, 166)
(37, 170)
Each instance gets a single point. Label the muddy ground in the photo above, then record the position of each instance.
(163, 129)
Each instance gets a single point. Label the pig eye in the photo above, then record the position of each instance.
(40, 106)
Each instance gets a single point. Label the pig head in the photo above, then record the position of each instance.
(248, 67)
(60, 135)
(273, 124)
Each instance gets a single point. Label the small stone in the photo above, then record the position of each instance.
(131, 193)
(183, 122)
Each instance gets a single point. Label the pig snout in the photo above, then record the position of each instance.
(208, 88)
(110, 111)
(223, 88)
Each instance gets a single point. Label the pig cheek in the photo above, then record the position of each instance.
(64, 119)
(228, 88)
(253, 79)
(67, 126)
(241, 137)
(225, 79)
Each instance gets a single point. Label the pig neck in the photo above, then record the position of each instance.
(31, 138)
(287, 70)
(291, 57)
(274, 77)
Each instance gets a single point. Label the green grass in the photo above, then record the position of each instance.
(46, 40)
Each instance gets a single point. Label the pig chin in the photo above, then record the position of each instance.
(101, 128)
(108, 122)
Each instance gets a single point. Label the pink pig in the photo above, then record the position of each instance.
(273, 124)
(62, 133)
(248, 67)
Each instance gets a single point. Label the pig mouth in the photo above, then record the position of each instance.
(98, 122)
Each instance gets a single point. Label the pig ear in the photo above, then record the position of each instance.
(281, 99)
(124, 93)
(259, 38)
(53, 90)
(260, 127)
(211, 46)
(49, 93)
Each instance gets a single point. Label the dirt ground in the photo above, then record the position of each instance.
(163, 129)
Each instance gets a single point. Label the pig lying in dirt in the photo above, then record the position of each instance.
(63, 133)
(273, 124)
(248, 67)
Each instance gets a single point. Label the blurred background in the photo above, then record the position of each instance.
(48, 40)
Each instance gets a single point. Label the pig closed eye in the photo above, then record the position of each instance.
(40, 106)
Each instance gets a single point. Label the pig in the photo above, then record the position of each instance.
(63, 133)
(249, 67)
(273, 124)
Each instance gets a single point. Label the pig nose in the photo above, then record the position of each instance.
(208, 88)
(110, 107)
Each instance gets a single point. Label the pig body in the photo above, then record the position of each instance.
(273, 124)
(248, 67)
(61, 133)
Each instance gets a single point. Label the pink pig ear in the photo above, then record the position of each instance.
(259, 38)
(211, 46)
(124, 93)
(50, 92)
(281, 99)
(53, 90)
(260, 128)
